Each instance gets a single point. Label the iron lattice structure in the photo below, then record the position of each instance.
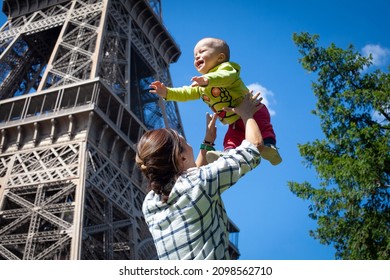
(73, 102)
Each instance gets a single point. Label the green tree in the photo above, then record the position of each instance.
(351, 203)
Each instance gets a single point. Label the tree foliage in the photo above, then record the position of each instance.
(352, 202)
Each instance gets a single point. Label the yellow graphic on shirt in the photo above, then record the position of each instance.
(217, 99)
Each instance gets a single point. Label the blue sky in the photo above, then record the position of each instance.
(274, 223)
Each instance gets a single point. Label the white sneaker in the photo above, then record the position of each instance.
(270, 153)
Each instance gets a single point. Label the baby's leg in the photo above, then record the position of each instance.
(263, 119)
(270, 152)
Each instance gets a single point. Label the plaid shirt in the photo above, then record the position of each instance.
(192, 224)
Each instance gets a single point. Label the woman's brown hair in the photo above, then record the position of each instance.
(158, 154)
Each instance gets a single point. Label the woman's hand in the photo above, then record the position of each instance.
(211, 129)
(211, 135)
(248, 107)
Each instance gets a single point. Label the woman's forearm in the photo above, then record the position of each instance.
(252, 132)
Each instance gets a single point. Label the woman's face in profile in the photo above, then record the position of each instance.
(187, 155)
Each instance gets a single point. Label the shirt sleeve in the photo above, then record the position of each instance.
(223, 76)
(185, 93)
(227, 170)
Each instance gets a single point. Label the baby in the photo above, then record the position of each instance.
(220, 86)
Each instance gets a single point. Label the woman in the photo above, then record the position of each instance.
(184, 209)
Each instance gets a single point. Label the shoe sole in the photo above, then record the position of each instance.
(271, 154)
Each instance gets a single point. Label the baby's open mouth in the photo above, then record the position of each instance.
(199, 63)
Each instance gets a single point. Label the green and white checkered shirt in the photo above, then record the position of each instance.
(192, 224)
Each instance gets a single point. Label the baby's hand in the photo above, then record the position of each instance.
(158, 88)
(199, 81)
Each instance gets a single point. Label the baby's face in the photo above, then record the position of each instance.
(206, 57)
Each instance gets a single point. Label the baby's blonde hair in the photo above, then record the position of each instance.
(220, 45)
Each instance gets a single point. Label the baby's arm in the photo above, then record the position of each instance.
(224, 76)
(199, 81)
(158, 88)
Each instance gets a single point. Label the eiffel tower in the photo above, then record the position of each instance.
(74, 100)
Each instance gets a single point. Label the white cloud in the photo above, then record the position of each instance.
(268, 96)
(379, 55)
